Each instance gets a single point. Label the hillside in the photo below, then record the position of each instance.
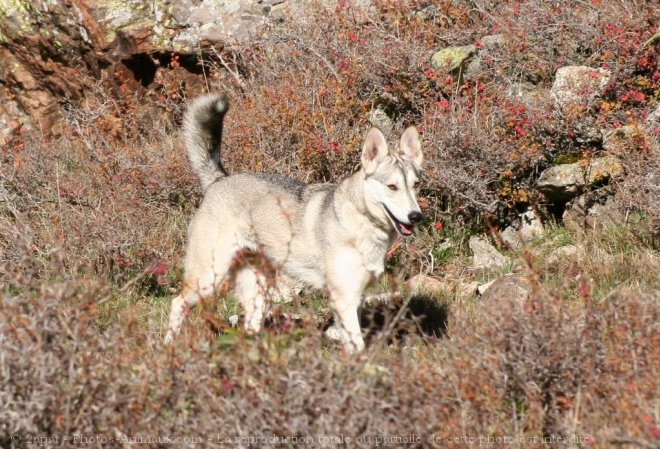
(525, 309)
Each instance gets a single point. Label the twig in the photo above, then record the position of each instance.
(234, 73)
(311, 50)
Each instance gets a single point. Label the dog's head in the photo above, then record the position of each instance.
(392, 178)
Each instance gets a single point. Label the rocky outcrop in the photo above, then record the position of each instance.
(49, 51)
(562, 254)
(565, 181)
(427, 284)
(628, 137)
(467, 61)
(575, 87)
(587, 211)
(562, 181)
(528, 226)
(512, 287)
(479, 65)
(53, 52)
(485, 255)
(453, 59)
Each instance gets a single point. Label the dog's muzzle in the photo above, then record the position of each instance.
(405, 229)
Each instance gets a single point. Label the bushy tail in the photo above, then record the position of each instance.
(202, 134)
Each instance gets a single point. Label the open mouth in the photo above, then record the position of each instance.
(402, 228)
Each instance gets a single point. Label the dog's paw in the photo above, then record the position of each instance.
(337, 333)
(169, 337)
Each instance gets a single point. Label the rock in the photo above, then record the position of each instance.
(509, 297)
(381, 120)
(604, 214)
(626, 138)
(528, 227)
(587, 133)
(603, 168)
(481, 289)
(453, 59)
(422, 282)
(49, 50)
(493, 41)
(575, 87)
(561, 254)
(575, 213)
(444, 246)
(653, 121)
(532, 97)
(465, 290)
(477, 66)
(427, 284)
(511, 287)
(380, 298)
(485, 255)
(591, 213)
(565, 181)
(64, 49)
(561, 182)
(337, 333)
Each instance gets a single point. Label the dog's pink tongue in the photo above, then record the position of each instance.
(405, 230)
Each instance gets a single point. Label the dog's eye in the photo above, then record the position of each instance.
(393, 187)
(416, 185)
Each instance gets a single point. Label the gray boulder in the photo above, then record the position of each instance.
(587, 212)
(575, 87)
(453, 59)
(485, 255)
(561, 254)
(511, 287)
(653, 120)
(566, 181)
(381, 120)
(476, 65)
(527, 227)
(562, 182)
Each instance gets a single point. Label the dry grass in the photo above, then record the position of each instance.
(92, 228)
(566, 363)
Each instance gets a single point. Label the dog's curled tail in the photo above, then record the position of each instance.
(202, 135)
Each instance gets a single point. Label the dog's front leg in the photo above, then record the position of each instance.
(347, 279)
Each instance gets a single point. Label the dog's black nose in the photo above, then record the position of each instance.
(415, 217)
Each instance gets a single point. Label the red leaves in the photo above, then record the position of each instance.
(633, 96)
(226, 385)
(160, 269)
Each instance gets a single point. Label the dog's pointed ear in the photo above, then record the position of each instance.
(411, 147)
(373, 150)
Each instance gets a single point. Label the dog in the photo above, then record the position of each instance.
(332, 236)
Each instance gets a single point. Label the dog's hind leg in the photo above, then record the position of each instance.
(180, 305)
(205, 271)
(252, 291)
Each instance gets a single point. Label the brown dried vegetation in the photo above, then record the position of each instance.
(93, 223)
